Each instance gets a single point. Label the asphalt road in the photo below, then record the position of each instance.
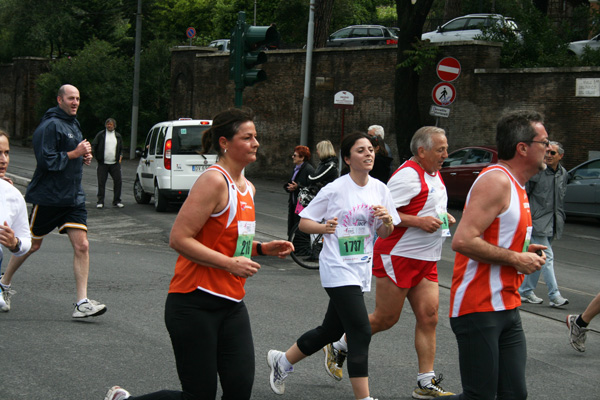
(47, 355)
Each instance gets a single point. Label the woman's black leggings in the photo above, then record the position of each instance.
(346, 313)
(211, 337)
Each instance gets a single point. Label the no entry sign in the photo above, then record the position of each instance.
(443, 94)
(448, 69)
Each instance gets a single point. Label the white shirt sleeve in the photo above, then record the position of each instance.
(14, 212)
(404, 185)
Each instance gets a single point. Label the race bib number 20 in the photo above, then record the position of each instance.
(246, 231)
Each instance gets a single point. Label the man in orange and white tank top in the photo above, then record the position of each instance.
(493, 248)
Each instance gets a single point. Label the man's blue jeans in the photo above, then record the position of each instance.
(531, 280)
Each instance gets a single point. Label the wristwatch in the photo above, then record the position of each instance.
(17, 246)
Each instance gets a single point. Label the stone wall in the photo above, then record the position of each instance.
(201, 88)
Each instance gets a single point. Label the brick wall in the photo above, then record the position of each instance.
(200, 85)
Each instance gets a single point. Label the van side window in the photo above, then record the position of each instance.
(160, 143)
(147, 144)
(152, 149)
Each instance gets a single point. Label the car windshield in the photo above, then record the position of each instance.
(457, 25)
(588, 171)
(455, 158)
(344, 33)
(188, 139)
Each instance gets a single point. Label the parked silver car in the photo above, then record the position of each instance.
(468, 27)
(583, 190)
(578, 47)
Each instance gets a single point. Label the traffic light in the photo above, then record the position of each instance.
(246, 53)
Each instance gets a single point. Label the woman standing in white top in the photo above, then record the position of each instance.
(353, 207)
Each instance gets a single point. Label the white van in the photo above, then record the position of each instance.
(171, 161)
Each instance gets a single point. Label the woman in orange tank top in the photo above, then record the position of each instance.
(214, 235)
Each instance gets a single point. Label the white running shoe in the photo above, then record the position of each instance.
(5, 295)
(277, 375)
(577, 334)
(558, 301)
(90, 308)
(116, 393)
(531, 298)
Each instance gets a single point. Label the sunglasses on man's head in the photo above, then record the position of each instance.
(551, 152)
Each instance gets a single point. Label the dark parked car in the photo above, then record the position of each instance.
(462, 167)
(583, 190)
(362, 35)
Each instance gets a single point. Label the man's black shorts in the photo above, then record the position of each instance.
(44, 219)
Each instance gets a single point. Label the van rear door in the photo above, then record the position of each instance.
(187, 160)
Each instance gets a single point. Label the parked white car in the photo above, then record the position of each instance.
(578, 47)
(220, 44)
(468, 27)
(171, 161)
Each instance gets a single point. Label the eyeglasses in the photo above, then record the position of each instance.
(294, 155)
(545, 142)
(551, 152)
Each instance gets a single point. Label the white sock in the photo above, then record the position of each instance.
(341, 344)
(425, 378)
(367, 398)
(285, 364)
(82, 301)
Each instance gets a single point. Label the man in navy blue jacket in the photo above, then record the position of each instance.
(57, 196)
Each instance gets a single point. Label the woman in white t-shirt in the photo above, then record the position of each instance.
(353, 208)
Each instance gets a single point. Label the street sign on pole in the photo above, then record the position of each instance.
(448, 69)
(190, 32)
(443, 94)
(436, 111)
(343, 99)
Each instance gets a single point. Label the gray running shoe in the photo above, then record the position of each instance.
(577, 334)
(277, 375)
(116, 393)
(531, 298)
(90, 308)
(558, 301)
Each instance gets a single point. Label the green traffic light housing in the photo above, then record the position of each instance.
(247, 43)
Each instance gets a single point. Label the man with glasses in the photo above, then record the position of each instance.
(546, 191)
(493, 253)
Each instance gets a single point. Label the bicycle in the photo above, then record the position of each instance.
(314, 246)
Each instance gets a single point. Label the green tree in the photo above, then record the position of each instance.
(411, 18)
(101, 76)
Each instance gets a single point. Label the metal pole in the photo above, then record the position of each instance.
(307, 75)
(254, 12)
(136, 81)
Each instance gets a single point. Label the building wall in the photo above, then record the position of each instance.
(484, 92)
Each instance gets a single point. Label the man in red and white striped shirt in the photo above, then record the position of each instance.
(493, 248)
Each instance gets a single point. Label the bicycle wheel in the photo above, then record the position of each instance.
(307, 248)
